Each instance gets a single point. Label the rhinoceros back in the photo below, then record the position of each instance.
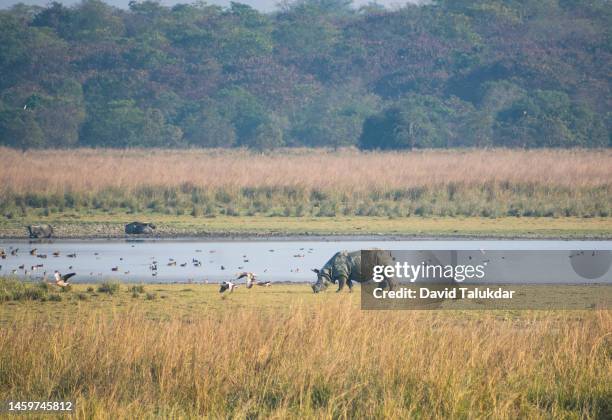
(345, 264)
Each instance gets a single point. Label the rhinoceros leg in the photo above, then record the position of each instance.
(341, 281)
(349, 283)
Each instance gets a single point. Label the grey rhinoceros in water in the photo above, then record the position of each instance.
(345, 267)
(40, 231)
(139, 228)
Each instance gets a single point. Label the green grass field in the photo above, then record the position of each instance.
(72, 225)
(185, 351)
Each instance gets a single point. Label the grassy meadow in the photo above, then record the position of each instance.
(111, 225)
(91, 192)
(283, 352)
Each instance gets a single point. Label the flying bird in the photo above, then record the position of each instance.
(251, 280)
(227, 285)
(63, 281)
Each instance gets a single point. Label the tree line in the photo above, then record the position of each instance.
(449, 73)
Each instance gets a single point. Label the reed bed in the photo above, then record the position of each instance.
(313, 361)
(309, 182)
(58, 171)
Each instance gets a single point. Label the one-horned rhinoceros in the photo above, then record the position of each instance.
(40, 231)
(345, 267)
(139, 228)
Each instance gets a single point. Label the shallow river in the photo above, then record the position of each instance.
(275, 260)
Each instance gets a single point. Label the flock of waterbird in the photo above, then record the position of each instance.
(59, 279)
(63, 280)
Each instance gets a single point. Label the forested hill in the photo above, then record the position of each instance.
(516, 73)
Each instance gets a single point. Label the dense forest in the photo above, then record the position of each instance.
(449, 73)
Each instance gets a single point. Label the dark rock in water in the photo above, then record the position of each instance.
(40, 231)
(139, 228)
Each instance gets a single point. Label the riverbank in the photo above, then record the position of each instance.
(103, 225)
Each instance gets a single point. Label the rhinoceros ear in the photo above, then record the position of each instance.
(316, 270)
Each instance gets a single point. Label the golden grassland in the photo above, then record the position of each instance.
(53, 171)
(306, 183)
(283, 352)
(111, 225)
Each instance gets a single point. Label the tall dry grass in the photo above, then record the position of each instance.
(321, 361)
(308, 182)
(53, 171)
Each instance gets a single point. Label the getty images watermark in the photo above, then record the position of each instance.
(457, 273)
(479, 279)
